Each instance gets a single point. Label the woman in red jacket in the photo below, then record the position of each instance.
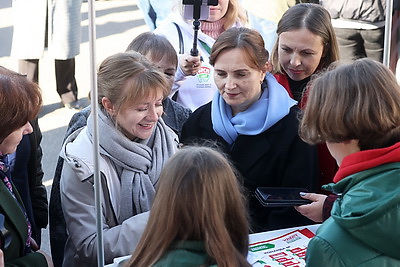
(306, 45)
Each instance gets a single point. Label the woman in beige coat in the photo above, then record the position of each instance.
(55, 24)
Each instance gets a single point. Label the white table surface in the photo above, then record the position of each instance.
(253, 238)
(257, 237)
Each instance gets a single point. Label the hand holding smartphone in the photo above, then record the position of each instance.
(281, 196)
(188, 12)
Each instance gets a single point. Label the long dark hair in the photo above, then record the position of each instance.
(198, 198)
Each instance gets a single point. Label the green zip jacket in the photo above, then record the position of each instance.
(15, 223)
(186, 254)
(364, 227)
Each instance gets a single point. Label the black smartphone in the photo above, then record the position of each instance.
(280, 196)
(188, 12)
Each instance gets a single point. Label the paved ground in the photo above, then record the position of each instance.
(118, 22)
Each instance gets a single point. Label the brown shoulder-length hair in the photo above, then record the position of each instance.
(250, 41)
(154, 45)
(198, 198)
(317, 20)
(127, 78)
(20, 101)
(360, 100)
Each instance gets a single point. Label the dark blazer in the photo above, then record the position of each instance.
(274, 158)
(15, 223)
(27, 176)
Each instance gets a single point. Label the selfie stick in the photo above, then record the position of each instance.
(196, 24)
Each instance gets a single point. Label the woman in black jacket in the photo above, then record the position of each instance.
(28, 175)
(20, 102)
(254, 120)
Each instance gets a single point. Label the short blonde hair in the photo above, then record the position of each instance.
(359, 100)
(155, 47)
(127, 78)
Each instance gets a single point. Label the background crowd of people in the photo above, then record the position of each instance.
(298, 100)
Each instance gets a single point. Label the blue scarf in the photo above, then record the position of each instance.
(272, 106)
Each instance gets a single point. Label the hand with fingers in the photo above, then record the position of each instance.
(190, 65)
(313, 211)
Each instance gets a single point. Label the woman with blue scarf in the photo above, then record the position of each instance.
(254, 121)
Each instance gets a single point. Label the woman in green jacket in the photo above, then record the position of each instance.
(198, 217)
(20, 102)
(355, 109)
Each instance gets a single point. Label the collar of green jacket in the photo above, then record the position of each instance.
(369, 207)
